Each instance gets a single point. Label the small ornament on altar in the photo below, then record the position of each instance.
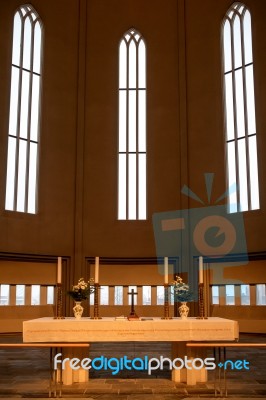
(80, 292)
(121, 318)
(182, 294)
(78, 310)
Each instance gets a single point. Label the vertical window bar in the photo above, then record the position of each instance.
(29, 119)
(18, 113)
(235, 113)
(127, 135)
(245, 107)
(137, 129)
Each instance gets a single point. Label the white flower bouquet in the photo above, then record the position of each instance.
(82, 290)
(182, 293)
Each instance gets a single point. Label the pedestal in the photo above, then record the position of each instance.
(187, 375)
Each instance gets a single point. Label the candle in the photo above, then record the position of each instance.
(166, 270)
(200, 269)
(96, 274)
(59, 270)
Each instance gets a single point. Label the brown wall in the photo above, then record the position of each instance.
(252, 272)
(16, 272)
(52, 230)
(78, 155)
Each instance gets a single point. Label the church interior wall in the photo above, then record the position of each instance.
(79, 134)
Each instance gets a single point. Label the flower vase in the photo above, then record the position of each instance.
(78, 310)
(183, 310)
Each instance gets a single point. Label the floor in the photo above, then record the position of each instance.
(24, 373)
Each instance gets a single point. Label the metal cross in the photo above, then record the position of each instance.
(132, 293)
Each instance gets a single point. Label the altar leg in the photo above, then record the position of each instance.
(81, 375)
(191, 375)
(67, 377)
(70, 375)
(197, 352)
(196, 375)
(179, 375)
(178, 351)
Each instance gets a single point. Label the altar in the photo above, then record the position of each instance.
(111, 330)
(178, 331)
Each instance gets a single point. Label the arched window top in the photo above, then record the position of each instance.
(27, 10)
(27, 39)
(236, 9)
(237, 26)
(132, 35)
(132, 60)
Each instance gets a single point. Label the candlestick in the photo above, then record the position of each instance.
(96, 302)
(59, 270)
(200, 269)
(96, 277)
(201, 302)
(58, 302)
(166, 270)
(166, 302)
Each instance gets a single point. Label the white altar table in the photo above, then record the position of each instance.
(176, 330)
(111, 330)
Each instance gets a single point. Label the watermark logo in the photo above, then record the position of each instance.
(208, 231)
(145, 363)
(237, 364)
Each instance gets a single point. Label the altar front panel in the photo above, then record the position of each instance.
(111, 330)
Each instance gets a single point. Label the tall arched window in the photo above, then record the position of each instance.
(240, 121)
(23, 134)
(132, 128)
